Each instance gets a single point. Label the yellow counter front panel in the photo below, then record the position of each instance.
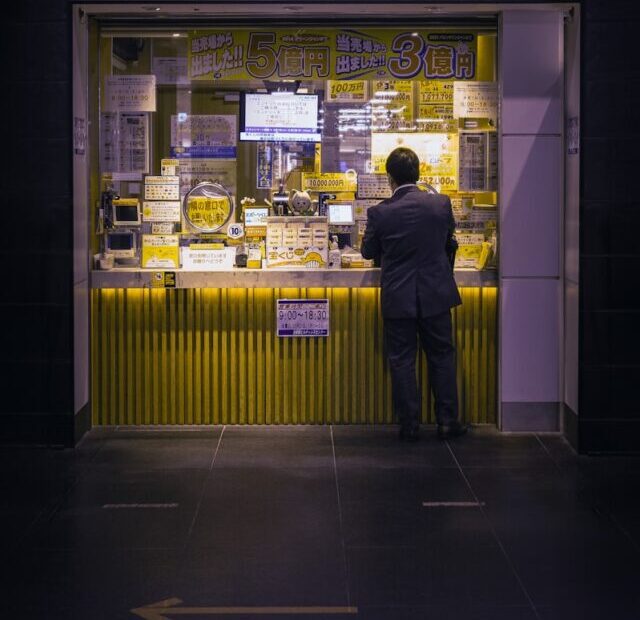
(211, 356)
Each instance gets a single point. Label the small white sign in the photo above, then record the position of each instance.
(373, 186)
(208, 260)
(170, 69)
(475, 100)
(302, 317)
(161, 210)
(162, 228)
(130, 93)
(162, 188)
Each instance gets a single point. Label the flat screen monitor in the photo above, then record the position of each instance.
(340, 213)
(256, 216)
(122, 244)
(126, 215)
(279, 117)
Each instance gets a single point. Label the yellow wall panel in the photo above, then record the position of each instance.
(211, 356)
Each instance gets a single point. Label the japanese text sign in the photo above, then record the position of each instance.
(303, 317)
(374, 53)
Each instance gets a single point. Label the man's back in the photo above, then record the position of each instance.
(408, 233)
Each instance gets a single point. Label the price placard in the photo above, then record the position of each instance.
(302, 317)
(208, 259)
(346, 90)
(330, 181)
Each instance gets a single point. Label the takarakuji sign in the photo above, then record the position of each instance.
(375, 53)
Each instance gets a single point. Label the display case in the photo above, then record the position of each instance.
(297, 125)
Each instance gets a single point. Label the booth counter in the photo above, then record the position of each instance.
(205, 350)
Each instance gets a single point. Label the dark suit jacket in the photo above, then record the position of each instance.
(407, 234)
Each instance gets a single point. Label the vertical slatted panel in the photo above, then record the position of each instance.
(210, 356)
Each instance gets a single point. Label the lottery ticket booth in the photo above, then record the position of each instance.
(225, 157)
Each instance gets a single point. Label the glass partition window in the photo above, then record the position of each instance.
(287, 122)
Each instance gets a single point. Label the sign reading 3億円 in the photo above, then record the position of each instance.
(375, 53)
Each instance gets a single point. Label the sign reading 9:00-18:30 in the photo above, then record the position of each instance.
(303, 317)
(373, 53)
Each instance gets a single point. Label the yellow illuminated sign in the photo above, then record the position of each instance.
(333, 54)
(346, 90)
(330, 181)
(208, 213)
(437, 152)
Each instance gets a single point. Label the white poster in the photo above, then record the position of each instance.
(373, 186)
(170, 69)
(161, 210)
(130, 93)
(194, 171)
(208, 260)
(475, 100)
(161, 188)
(124, 144)
(478, 161)
(204, 135)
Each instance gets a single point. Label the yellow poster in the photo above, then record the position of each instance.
(435, 107)
(437, 152)
(160, 251)
(392, 105)
(436, 93)
(332, 54)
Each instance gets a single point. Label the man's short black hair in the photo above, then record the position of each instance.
(403, 166)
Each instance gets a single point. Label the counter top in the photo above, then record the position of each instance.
(270, 278)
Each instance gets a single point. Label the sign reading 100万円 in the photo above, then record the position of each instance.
(373, 53)
(302, 317)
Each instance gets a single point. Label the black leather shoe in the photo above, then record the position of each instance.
(449, 431)
(409, 434)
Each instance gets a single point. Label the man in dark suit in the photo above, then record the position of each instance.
(408, 235)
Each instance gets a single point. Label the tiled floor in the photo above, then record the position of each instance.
(344, 522)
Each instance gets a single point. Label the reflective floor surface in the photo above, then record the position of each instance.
(318, 522)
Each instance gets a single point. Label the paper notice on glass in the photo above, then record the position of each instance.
(161, 210)
(373, 186)
(469, 248)
(161, 188)
(478, 161)
(203, 135)
(475, 100)
(124, 145)
(195, 171)
(170, 70)
(130, 93)
(360, 208)
(194, 259)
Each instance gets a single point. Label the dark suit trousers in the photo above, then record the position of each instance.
(401, 344)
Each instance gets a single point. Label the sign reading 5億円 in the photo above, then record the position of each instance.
(374, 53)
